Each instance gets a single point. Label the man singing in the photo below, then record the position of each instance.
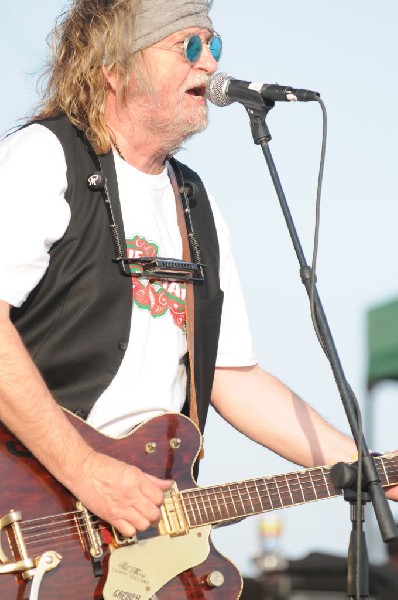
(120, 301)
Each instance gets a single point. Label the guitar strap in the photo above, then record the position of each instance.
(189, 305)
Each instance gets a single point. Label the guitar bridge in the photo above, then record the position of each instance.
(174, 520)
(91, 534)
(22, 563)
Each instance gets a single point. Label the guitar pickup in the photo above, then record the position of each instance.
(174, 521)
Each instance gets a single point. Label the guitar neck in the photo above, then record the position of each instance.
(231, 501)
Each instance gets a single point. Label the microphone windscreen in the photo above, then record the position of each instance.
(216, 90)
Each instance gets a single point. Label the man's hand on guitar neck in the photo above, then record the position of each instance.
(392, 492)
(264, 409)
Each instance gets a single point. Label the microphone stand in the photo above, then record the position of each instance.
(344, 476)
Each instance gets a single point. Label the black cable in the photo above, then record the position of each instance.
(313, 310)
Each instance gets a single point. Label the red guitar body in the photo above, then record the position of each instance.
(28, 488)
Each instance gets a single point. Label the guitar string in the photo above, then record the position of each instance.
(77, 525)
(208, 493)
(55, 528)
(298, 487)
(27, 525)
(77, 531)
(249, 503)
(200, 515)
(70, 514)
(253, 498)
(204, 493)
(50, 531)
(283, 480)
(306, 490)
(275, 488)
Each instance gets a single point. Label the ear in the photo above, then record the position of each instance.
(111, 78)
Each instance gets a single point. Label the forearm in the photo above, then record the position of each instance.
(116, 491)
(29, 411)
(264, 409)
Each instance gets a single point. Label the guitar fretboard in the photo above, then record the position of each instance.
(231, 501)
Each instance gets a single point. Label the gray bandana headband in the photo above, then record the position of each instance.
(156, 19)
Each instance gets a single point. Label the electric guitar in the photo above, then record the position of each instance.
(44, 528)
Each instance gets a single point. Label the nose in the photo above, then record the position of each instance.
(207, 62)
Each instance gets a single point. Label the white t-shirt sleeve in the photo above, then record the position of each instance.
(33, 211)
(235, 347)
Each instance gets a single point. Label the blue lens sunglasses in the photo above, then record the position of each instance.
(193, 47)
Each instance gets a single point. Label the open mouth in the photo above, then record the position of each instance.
(198, 91)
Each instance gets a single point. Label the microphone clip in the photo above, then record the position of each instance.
(258, 124)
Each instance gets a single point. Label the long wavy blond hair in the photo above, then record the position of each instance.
(90, 34)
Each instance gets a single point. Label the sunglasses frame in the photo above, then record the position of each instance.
(185, 44)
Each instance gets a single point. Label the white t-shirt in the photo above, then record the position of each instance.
(34, 214)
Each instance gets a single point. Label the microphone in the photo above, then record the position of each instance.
(223, 90)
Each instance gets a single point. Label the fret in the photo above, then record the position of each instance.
(249, 497)
(257, 497)
(232, 500)
(281, 485)
(226, 513)
(268, 494)
(309, 490)
(290, 491)
(387, 468)
(198, 505)
(262, 498)
(220, 500)
(387, 479)
(198, 511)
(258, 494)
(210, 504)
(256, 504)
(238, 495)
(392, 461)
(296, 489)
(273, 491)
(326, 482)
(230, 493)
(216, 496)
(300, 485)
(202, 507)
(321, 489)
(277, 482)
(312, 483)
(188, 509)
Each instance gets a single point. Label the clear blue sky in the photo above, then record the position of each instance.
(348, 52)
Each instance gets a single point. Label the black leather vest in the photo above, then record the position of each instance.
(76, 322)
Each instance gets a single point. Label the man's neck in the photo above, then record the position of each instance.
(134, 139)
(137, 149)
